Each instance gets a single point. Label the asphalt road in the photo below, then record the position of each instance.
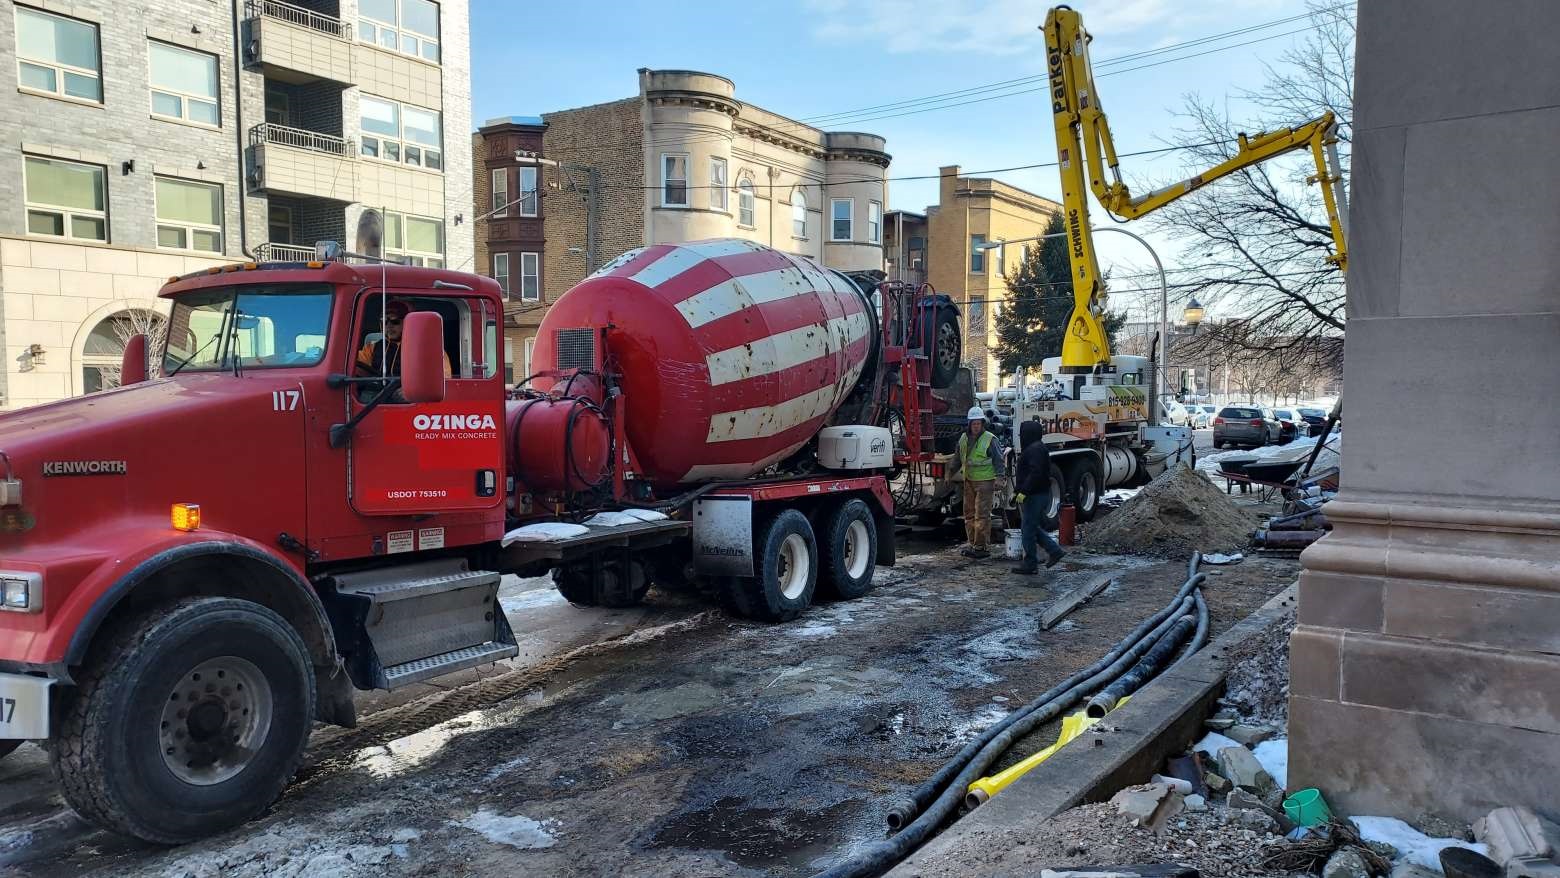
(666, 740)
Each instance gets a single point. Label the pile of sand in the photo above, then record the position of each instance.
(1174, 515)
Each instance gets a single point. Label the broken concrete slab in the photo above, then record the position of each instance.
(1244, 771)
(1148, 805)
(1255, 819)
(1517, 834)
(1249, 735)
(1179, 784)
(1216, 783)
(1346, 862)
(1071, 601)
(1195, 802)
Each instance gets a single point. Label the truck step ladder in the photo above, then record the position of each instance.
(421, 620)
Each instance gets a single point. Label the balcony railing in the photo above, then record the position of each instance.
(270, 132)
(283, 253)
(301, 17)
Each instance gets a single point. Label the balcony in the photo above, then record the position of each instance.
(297, 161)
(283, 253)
(299, 45)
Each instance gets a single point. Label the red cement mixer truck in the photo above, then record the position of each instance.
(323, 487)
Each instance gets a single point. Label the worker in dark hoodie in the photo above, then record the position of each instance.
(1033, 488)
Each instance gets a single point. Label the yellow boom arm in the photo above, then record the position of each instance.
(1083, 136)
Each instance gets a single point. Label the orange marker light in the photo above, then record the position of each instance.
(186, 516)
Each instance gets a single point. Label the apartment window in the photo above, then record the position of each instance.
(530, 348)
(279, 224)
(66, 199)
(674, 179)
(58, 56)
(414, 240)
(278, 107)
(529, 206)
(875, 222)
(841, 213)
(500, 192)
(184, 85)
(1000, 261)
(798, 214)
(501, 271)
(745, 203)
(407, 26)
(509, 361)
(977, 255)
(530, 279)
(718, 184)
(396, 132)
(189, 215)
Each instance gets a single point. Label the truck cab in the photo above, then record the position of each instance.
(198, 564)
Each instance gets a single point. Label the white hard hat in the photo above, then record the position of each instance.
(975, 414)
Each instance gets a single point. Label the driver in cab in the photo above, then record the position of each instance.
(382, 359)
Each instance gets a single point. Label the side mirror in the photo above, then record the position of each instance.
(422, 357)
(132, 366)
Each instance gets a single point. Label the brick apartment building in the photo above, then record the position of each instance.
(681, 160)
(510, 242)
(171, 136)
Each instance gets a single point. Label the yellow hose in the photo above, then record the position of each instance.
(1072, 727)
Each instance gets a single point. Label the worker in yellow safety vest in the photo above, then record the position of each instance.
(979, 456)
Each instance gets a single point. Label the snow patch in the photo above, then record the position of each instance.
(499, 771)
(518, 831)
(530, 600)
(1212, 743)
(1413, 846)
(813, 629)
(978, 723)
(406, 833)
(1274, 756)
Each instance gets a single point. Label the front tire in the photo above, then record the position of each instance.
(848, 551)
(786, 555)
(947, 348)
(1083, 483)
(188, 719)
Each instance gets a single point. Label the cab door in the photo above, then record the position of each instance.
(409, 459)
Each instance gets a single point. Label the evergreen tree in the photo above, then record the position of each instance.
(1040, 299)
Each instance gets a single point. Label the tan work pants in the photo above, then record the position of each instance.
(977, 512)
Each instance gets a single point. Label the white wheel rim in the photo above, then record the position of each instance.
(794, 567)
(1055, 507)
(1087, 491)
(858, 546)
(215, 720)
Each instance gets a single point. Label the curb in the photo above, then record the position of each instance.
(1161, 720)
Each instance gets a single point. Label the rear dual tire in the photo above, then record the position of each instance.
(847, 551)
(786, 557)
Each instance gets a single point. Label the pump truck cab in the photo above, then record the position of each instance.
(314, 495)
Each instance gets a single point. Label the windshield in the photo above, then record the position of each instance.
(252, 327)
(1285, 414)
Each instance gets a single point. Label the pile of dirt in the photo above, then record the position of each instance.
(1174, 515)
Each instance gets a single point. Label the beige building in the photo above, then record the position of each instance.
(972, 211)
(684, 159)
(155, 141)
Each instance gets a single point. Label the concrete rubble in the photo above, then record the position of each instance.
(1149, 805)
(1525, 844)
(1346, 863)
(1244, 771)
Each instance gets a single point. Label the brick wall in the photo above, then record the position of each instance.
(608, 137)
(482, 202)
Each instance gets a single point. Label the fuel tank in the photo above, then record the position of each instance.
(732, 355)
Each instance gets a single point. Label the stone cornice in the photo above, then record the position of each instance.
(785, 141)
(700, 100)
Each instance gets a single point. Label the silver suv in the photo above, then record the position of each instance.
(1248, 425)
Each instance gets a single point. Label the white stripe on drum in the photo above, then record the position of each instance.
(764, 421)
(785, 350)
(685, 256)
(730, 296)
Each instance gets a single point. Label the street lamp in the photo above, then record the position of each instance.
(1163, 383)
(1193, 314)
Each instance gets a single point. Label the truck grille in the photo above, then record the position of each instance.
(576, 348)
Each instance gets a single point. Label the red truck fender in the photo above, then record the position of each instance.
(255, 573)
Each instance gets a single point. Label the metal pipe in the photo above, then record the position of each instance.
(238, 126)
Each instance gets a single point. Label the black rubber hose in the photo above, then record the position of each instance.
(1146, 668)
(901, 813)
(882, 856)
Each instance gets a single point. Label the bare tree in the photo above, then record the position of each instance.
(127, 324)
(1260, 238)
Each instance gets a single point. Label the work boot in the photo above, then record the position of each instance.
(1054, 559)
(968, 551)
(1028, 568)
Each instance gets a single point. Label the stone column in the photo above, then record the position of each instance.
(1426, 663)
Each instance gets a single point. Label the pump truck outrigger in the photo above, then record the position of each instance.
(197, 566)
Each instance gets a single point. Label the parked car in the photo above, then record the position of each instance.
(1314, 419)
(1289, 424)
(1248, 425)
(1174, 413)
(1202, 416)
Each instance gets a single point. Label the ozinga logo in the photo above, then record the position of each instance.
(453, 422)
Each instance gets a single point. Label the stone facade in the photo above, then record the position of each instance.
(301, 67)
(1425, 661)
(695, 121)
(995, 211)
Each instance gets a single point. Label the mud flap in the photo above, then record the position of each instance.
(885, 535)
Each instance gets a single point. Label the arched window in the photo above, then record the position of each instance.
(745, 202)
(799, 214)
(105, 346)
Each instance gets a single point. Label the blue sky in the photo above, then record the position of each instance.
(808, 58)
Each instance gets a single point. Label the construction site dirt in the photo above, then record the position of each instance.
(672, 739)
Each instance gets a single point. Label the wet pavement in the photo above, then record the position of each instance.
(697, 745)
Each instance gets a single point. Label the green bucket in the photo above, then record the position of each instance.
(1307, 808)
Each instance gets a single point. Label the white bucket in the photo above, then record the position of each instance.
(1015, 543)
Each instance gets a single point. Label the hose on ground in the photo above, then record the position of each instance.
(881, 856)
(901, 813)
(1147, 667)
